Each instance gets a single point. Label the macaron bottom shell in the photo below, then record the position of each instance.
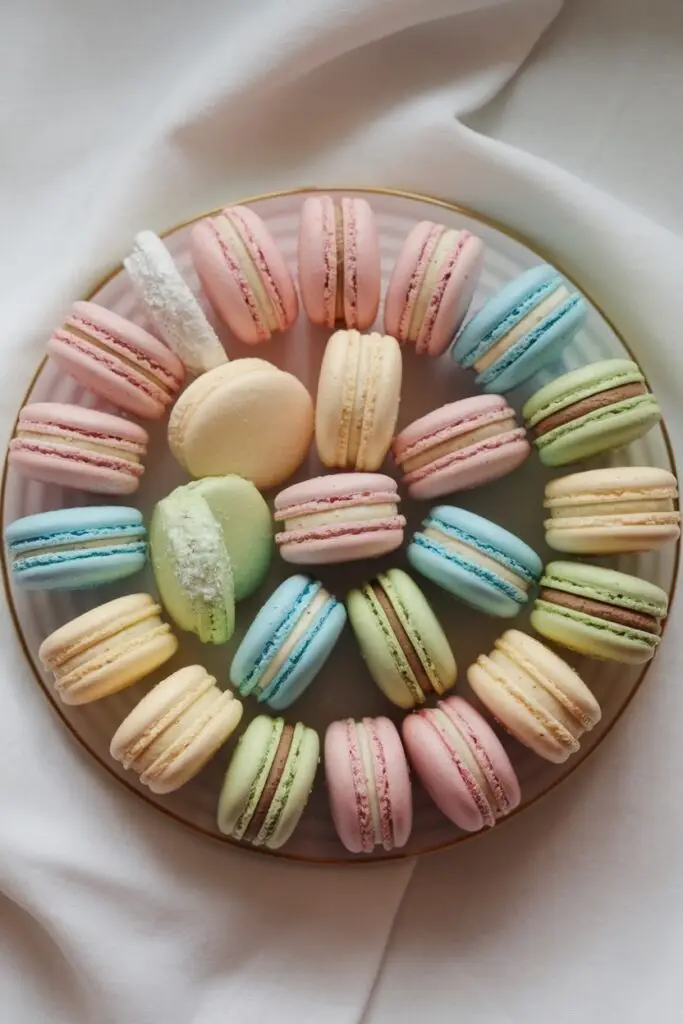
(462, 579)
(603, 430)
(594, 637)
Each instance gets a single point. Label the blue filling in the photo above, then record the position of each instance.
(279, 636)
(298, 653)
(493, 336)
(487, 549)
(66, 557)
(527, 340)
(489, 577)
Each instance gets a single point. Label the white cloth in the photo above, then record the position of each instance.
(118, 116)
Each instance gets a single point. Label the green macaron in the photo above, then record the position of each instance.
(600, 612)
(594, 409)
(404, 646)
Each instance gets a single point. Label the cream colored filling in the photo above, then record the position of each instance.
(458, 547)
(366, 756)
(362, 355)
(110, 350)
(175, 731)
(352, 514)
(302, 624)
(608, 508)
(77, 442)
(526, 324)
(119, 641)
(431, 278)
(75, 546)
(233, 240)
(456, 444)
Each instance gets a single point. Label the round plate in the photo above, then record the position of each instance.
(344, 687)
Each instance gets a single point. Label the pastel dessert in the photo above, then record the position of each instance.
(176, 729)
(268, 782)
(600, 612)
(400, 638)
(609, 511)
(368, 784)
(535, 695)
(246, 418)
(76, 548)
(117, 360)
(339, 518)
(244, 274)
(76, 447)
(359, 391)
(172, 304)
(339, 262)
(432, 285)
(522, 328)
(461, 445)
(461, 763)
(594, 409)
(192, 567)
(107, 648)
(288, 642)
(477, 561)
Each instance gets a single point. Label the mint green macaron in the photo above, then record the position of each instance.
(594, 409)
(600, 612)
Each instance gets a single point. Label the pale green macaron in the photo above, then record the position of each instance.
(268, 782)
(403, 644)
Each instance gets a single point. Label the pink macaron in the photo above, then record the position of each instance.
(339, 518)
(117, 359)
(76, 447)
(339, 262)
(459, 446)
(461, 763)
(368, 784)
(244, 274)
(432, 285)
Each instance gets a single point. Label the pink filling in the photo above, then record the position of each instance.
(62, 430)
(132, 351)
(242, 283)
(483, 759)
(350, 530)
(436, 437)
(381, 772)
(97, 356)
(427, 327)
(261, 262)
(345, 501)
(74, 455)
(363, 812)
(490, 444)
(471, 784)
(423, 261)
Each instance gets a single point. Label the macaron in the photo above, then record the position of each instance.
(117, 359)
(477, 561)
(247, 418)
(461, 763)
(400, 638)
(460, 445)
(609, 511)
(600, 612)
(368, 784)
(359, 391)
(268, 782)
(288, 642)
(339, 262)
(175, 729)
(244, 274)
(535, 695)
(591, 410)
(172, 304)
(192, 567)
(77, 447)
(76, 548)
(107, 648)
(339, 518)
(519, 330)
(432, 285)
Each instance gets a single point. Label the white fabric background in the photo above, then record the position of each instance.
(117, 116)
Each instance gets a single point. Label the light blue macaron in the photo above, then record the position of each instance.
(475, 560)
(76, 548)
(521, 350)
(288, 642)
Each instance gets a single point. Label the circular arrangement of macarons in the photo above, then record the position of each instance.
(241, 427)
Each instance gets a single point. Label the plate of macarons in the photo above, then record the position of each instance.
(339, 525)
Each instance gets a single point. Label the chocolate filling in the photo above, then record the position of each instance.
(590, 404)
(612, 613)
(272, 782)
(404, 641)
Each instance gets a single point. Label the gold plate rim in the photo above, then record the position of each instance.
(284, 856)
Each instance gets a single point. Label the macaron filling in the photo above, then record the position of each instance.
(602, 400)
(273, 778)
(93, 339)
(410, 656)
(249, 267)
(601, 610)
(526, 314)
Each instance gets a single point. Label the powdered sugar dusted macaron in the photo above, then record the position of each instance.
(432, 285)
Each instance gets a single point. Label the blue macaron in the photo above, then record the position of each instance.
(288, 642)
(76, 548)
(520, 329)
(475, 560)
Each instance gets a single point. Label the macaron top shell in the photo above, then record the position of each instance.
(58, 417)
(606, 585)
(356, 487)
(78, 521)
(612, 484)
(572, 387)
(488, 535)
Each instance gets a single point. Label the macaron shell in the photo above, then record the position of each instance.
(474, 467)
(313, 656)
(609, 535)
(317, 245)
(340, 787)
(463, 583)
(600, 431)
(456, 298)
(578, 384)
(260, 633)
(608, 585)
(591, 636)
(243, 770)
(396, 766)
(336, 549)
(362, 263)
(377, 652)
(300, 786)
(95, 570)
